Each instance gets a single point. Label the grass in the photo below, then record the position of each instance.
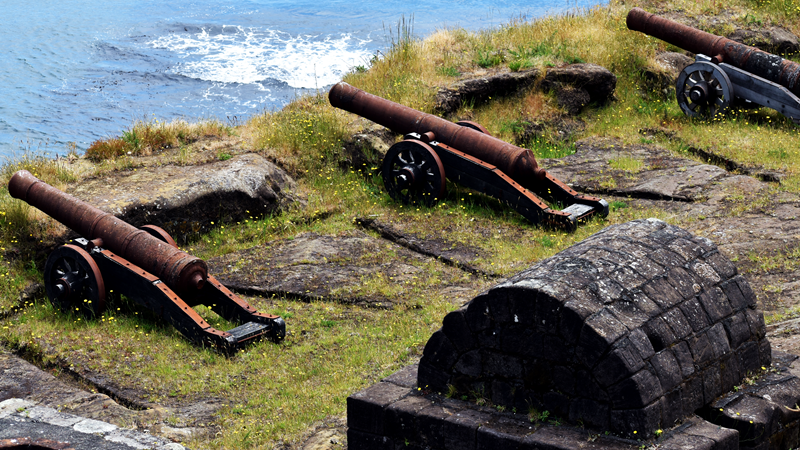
(146, 137)
(273, 393)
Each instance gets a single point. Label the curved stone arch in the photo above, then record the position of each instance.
(629, 330)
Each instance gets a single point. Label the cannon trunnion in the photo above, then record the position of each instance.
(143, 264)
(414, 170)
(726, 73)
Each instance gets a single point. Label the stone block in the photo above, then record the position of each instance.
(365, 409)
(569, 438)
(692, 395)
(626, 278)
(715, 304)
(502, 306)
(695, 314)
(623, 361)
(439, 351)
(642, 343)
(635, 391)
(718, 339)
(478, 315)
(730, 373)
(712, 383)
(405, 377)
(430, 425)
(687, 248)
(702, 350)
(688, 442)
(555, 349)
(666, 258)
(755, 319)
(509, 394)
(502, 433)
(678, 323)
(722, 265)
(704, 274)
(600, 331)
(575, 311)
(662, 292)
(749, 360)
(548, 314)
(724, 438)
(470, 364)
(591, 413)
(680, 279)
(401, 418)
(628, 313)
(659, 333)
(460, 429)
(564, 379)
(673, 408)
(747, 291)
(645, 421)
(643, 302)
(755, 419)
(458, 333)
(489, 338)
(738, 329)
(587, 387)
(358, 440)
(667, 369)
(433, 378)
(764, 353)
(684, 357)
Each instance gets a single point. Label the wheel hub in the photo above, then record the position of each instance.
(407, 177)
(699, 93)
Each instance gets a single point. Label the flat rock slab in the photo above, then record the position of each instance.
(185, 200)
(27, 383)
(312, 266)
(648, 172)
(24, 425)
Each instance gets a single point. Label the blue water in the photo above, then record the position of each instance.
(80, 70)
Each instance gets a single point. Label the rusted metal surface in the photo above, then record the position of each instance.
(518, 163)
(723, 50)
(179, 270)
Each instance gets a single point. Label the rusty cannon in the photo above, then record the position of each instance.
(434, 149)
(143, 264)
(726, 73)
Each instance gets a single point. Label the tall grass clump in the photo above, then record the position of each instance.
(146, 137)
(304, 136)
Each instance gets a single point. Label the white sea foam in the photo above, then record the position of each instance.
(247, 55)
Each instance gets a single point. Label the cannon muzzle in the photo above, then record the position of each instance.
(723, 50)
(181, 271)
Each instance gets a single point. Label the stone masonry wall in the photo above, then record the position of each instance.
(630, 330)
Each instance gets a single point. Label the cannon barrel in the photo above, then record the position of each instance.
(518, 163)
(758, 62)
(181, 271)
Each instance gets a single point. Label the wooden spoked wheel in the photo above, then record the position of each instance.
(73, 281)
(413, 173)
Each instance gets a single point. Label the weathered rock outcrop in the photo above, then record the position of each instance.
(184, 200)
(575, 85)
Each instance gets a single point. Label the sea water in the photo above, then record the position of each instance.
(74, 71)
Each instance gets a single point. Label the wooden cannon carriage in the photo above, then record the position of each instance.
(726, 73)
(414, 170)
(143, 264)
